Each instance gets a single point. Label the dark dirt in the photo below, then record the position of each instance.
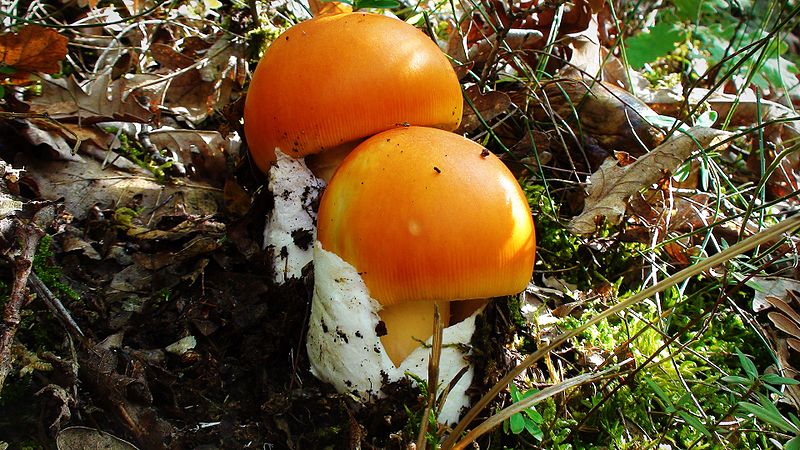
(246, 382)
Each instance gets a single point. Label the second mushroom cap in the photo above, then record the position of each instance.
(425, 214)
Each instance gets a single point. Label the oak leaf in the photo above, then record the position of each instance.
(611, 186)
(99, 100)
(32, 49)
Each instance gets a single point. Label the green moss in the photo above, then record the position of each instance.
(134, 151)
(49, 272)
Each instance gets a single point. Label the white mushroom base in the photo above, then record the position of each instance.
(295, 191)
(345, 350)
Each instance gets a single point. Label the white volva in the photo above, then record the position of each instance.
(345, 350)
(295, 190)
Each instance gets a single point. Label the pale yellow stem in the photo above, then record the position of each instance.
(407, 326)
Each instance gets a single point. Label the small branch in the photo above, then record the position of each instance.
(433, 376)
(28, 235)
(55, 305)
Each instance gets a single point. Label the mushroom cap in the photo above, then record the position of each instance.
(424, 215)
(340, 78)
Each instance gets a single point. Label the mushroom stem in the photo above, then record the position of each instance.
(408, 325)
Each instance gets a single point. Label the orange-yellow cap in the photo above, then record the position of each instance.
(341, 78)
(425, 214)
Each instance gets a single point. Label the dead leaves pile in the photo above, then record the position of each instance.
(128, 90)
(111, 95)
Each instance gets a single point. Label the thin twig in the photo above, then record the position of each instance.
(54, 304)
(28, 236)
(433, 375)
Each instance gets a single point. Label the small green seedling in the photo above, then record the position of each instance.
(528, 420)
(765, 410)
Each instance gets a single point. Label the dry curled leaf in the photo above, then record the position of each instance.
(784, 324)
(483, 108)
(203, 150)
(86, 184)
(100, 100)
(74, 438)
(202, 77)
(775, 287)
(612, 116)
(32, 49)
(611, 186)
(784, 307)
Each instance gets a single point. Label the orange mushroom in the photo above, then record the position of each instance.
(425, 215)
(327, 83)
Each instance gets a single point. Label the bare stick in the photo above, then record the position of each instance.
(55, 305)
(433, 375)
(28, 235)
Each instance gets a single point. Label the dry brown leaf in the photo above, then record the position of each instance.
(196, 92)
(200, 245)
(784, 324)
(168, 58)
(43, 132)
(86, 184)
(794, 344)
(100, 100)
(601, 111)
(32, 49)
(772, 287)
(784, 307)
(745, 111)
(64, 138)
(193, 225)
(679, 253)
(237, 200)
(75, 438)
(488, 106)
(611, 186)
(587, 55)
(204, 150)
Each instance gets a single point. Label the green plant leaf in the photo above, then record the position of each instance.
(694, 422)
(795, 421)
(771, 416)
(530, 393)
(517, 422)
(666, 122)
(534, 416)
(658, 42)
(706, 119)
(687, 9)
(660, 393)
(778, 73)
(793, 444)
(772, 378)
(383, 4)
(737, 380)
(748, 366)
(534, 430)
